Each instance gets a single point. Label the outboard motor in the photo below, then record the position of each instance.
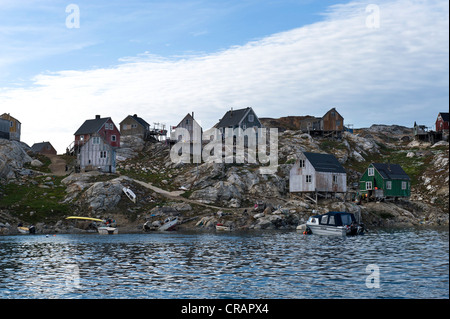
(32, 229)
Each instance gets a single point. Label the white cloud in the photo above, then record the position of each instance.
(397, 73)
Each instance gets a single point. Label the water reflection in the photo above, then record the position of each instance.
(413, 264)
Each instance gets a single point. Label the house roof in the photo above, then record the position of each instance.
(444, 116)
(233, 117)
(324, 162)
(138, 119)
(390, 171)
(92, 126)
(40, 146)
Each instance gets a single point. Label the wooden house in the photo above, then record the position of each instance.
(192, 126)
(97, 154)
(104, 127)
(45, 148)
(14, 126)
(442, 122)
(384, 180)
(136, 126)
(332, 121)
(242, 118)
(4, 129)
(317, 173)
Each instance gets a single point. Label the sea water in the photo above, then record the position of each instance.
(408, 263)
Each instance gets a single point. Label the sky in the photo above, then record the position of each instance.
(376, 62)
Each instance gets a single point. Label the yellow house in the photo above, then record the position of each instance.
(14, 126)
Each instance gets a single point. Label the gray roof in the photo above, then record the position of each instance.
(324, 162)
(390, 171)
(233, 117)
(91, 126)
(37, 147)
(445, 116)
(140, 120)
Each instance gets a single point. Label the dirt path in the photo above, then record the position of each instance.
(58, 165)
(177, 195)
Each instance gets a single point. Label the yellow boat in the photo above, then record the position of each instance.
(85, 218)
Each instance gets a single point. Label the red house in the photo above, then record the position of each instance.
(442, 122)
(104, 127)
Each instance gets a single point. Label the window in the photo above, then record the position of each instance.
(371, 171)
(301, 163)
(125, 127)
(113, 138)
(111, 126)
(324, 220)
(244, 127)
(251, 118)
(331, 220)
(133, 125)
(81, 137)
(335, 179)
(403, 185)
(368, 186)
(308, 178)
(102, 154)
(389, 185)
(96, 140)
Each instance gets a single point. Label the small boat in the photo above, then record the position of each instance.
(130, 194)
(334, 223)
(169, 224)
(108, 226)
(26, 230)
(222, 227)
(105, 230)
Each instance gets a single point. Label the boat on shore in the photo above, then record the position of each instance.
(107, 227)
(26, 230)
(334, 223)
(222, 227)
(169, 224)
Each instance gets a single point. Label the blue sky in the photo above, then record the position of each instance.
(163, 59)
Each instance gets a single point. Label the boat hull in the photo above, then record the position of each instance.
(328, 230)
(107, 230)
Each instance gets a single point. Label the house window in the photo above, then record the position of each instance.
(301, 163)
(368, 186)
(102, 154)
(133, 125)
(389, 185)
(371, 171)
(96, 140)
(403, 185)
(244, 127)
(308, 178)
(111, 126)
(82, 138)
(251, 118)
(335, 179)
(113, 138)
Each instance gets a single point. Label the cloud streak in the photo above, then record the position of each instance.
(395, 74)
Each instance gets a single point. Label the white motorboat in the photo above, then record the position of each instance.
(222, 227)
(169, 224)
(334, 223)
(105, 230)
(130, 194)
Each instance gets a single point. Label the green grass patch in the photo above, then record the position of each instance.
(33, 202)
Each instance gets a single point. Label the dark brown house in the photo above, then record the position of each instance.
(45, 148)
(333, 121)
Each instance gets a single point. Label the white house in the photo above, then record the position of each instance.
(96, 154)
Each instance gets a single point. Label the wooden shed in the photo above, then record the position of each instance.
(317, 172)
(384, 180)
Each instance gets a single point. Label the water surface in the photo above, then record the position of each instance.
(382, 264)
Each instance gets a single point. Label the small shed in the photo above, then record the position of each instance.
(385, 180)
(45, 148)
(317, 172)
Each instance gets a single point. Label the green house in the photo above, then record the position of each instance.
(385, 180)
